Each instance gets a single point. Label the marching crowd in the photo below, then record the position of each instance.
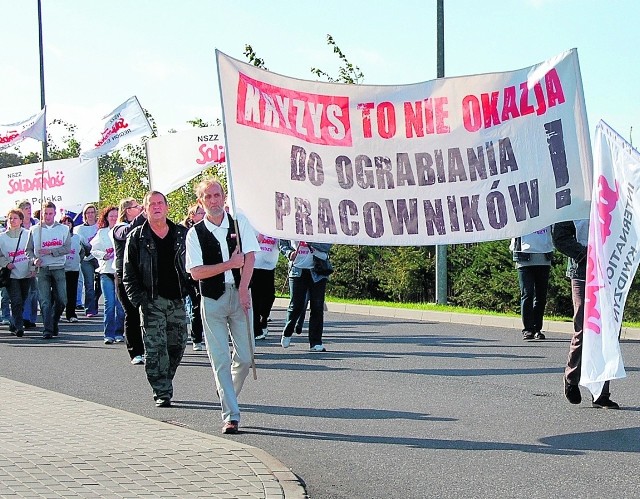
(216, 273)
(212, 271)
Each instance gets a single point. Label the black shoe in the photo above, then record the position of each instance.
(79, 307)
(12, 329)
(528, 335)
(572, 392)
(538, 335)
(299, 331)
(20, 333)
(604, 402)
(47, 336)
(29, 324)
(163, 402)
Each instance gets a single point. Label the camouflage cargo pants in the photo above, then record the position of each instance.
(164, 332)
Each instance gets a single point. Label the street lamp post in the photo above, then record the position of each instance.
(441, 250)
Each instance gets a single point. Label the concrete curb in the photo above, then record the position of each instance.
(628, 333)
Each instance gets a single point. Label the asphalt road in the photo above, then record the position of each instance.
(394, 409)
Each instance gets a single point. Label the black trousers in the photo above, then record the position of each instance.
(71, 276)
(132, 329)
(263, 294)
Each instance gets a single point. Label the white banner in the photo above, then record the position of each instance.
(176, 158)
(453, 160)
(612, 257)
(120, 127)
(33, 127)
(69, 183)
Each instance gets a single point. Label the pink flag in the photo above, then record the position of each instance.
(120, 127)
(612, 255)
(33, 127)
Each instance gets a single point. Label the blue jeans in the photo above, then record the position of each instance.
(90, 296)
(52, 287)
(4, 299)
(80, 289)
(30, 312)
(18, 291)
(113, 311)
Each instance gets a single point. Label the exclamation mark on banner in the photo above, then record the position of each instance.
(555, 141)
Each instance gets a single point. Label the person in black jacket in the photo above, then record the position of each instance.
(156, 282)
(571, 239)
(130, 216)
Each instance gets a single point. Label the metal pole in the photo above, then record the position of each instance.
(441, 250)
(42, 99)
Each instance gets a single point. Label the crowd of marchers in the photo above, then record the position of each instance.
(210, 277)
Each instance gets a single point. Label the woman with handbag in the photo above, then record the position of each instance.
(89, 264)
(309, 270)
(13, 257)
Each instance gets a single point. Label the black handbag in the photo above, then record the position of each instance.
(5, 273)
(518, 254)
(322, 267)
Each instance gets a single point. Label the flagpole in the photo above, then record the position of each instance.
(250, 333)
(146, 148)
(42, 106)
(42, 99)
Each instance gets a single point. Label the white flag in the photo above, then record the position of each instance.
(117, 129)
(33, 127)
(613, 255)
(176, 158)
(69, 183)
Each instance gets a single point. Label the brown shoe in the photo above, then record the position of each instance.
(230, 427)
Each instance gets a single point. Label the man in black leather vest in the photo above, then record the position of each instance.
(222, 261)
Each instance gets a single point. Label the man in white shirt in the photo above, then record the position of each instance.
(226, 301)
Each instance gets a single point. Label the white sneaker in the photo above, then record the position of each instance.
(285, 341)
(264, 334)
(318, 348)
(137, 360)
(198, 347)
(73, 319)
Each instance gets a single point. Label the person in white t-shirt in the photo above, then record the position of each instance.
(102, 248)
(48, 246)
(224, 271)
(263, 289)
(72, 268)
(89, 264)
(533, 254)
(12, 256)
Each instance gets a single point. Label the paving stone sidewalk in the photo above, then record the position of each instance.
(53, 445)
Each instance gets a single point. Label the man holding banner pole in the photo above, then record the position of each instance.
(571, 238)
(224, 272)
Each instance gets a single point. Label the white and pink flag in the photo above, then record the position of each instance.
(33, 127)
(120, 127)
(176, 158)
(613, 255)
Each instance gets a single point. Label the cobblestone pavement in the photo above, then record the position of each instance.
(53, 445)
